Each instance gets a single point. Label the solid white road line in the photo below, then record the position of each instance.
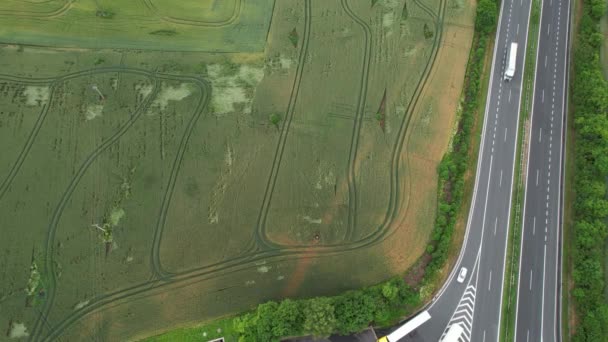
(479, 165)
(478, 173)
(542, 309)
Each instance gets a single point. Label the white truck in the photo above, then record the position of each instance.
(407, 328)
(510, 71)
(453, 334)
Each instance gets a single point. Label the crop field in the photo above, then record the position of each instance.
(147, 188)
(209, 25)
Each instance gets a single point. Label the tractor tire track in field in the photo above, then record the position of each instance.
(428, 10)
(392, 210)
(52, 229)
(28, 145)
(157, 269)
(236, 13)
(260, 233)
(38, 15)
(354, 141)
(196, 275)
(205, 91)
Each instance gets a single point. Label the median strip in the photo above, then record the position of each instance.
(509, 299)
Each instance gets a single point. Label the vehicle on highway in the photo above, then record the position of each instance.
(462, 275)
(510, 71)
(453, 334)
(407, 328)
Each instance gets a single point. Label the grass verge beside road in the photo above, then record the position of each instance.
(509, 299)
(209, 331)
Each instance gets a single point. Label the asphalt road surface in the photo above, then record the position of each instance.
(538, 316)
(476, 303)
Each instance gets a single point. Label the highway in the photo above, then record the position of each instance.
(476, 303)
(538, 315)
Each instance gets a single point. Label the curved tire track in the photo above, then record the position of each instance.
(37, 15)
(52, 229)
(236, 13)
(260, 233)
(177, 163)
(237, 264)
(28, 145)
(354, 142)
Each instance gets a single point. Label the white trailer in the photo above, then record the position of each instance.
(407, 328)
(510, 71)
(453, 334)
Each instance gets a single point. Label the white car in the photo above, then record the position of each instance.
(462, 275)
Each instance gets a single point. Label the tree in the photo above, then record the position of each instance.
(319, 317)
(486, 16)
(390, 291)
(245, 327)
(354, 311)
(275, 119)
(266, 320)
(288, 319)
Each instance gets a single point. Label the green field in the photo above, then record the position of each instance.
(158, 186)
(210, 25)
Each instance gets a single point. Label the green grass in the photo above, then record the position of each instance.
(514, 237)
(225, 327)
(229, 26)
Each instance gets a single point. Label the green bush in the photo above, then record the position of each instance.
(485, 18)
(348, 313)
(590, 99)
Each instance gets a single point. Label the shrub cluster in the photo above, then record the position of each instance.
(454, 164)
(345, 314)
(590, 101)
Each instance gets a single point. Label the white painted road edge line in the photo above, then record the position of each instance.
(477, 172)
(542, 308)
